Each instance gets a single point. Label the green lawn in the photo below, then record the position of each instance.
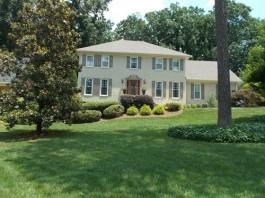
(131, 157)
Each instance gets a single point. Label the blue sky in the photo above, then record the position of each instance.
(120, 9)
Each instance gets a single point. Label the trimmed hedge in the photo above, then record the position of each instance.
(113, 111)
(86, 116)
(98, 106)
(131, 111)
(138, 101)
(172, 106)
(159, 110)
(145, 110)
(238, 133)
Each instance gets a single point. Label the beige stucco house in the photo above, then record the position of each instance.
(112, 69)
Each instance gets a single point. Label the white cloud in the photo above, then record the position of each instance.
(120, 9)
(210, 4)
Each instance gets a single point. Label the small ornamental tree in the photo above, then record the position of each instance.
(44, 61)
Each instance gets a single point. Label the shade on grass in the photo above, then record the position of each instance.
(131, 157)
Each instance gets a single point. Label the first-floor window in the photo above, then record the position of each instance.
(197, 91)
(88, 86)
(159, 89)
(104, 87)
(175, 90)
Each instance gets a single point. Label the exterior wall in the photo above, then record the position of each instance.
(119, 72)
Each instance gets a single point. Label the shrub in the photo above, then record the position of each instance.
(98, 106)
(188, 106)
(141, 100)
(158, 110)
(249, 98)
(145, 110)
(238, 133)
(204, 105)
(86, 116)
(211, 101)
(131, 111)
(113, 111)
(172, 106)
(193, 106)
(198, 106)
(127, 101)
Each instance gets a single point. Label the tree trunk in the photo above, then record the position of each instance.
(224, 95)
(39, 127)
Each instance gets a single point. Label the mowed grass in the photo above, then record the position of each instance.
(131, 157)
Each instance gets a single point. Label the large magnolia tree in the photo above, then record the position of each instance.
(45, 64)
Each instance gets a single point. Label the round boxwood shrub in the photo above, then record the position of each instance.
(159, 110)
(99, 106)
(113, 111)
(145, 110)
(132, 111)
(86, 116)
(172, 106)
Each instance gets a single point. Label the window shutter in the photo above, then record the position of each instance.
(192, 90)
(153, 88)
(153, 63)
(139, 62)
(164, 89)
(128, 61)
(216, 92)
(164, 64)
(84, 60)
(96, 87)
(111, 61)
(110, 87)
(181, 90)
(170, 89)
(97, 61)
(202, 90)
(170, 64)
(181, 65)
(83, 86)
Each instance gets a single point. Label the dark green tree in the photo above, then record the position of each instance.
(224, 97)
(44, 61)
(90, 22)
(254, 73)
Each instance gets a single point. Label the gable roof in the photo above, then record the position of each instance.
(132, 47)
(205, 70)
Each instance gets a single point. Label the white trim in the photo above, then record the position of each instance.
(200, 91)
(101, 87)
(161, 89)
(137, 67)
(92, 84)
(173, 90)
(93, 63)
(101, 64)
(161, 64)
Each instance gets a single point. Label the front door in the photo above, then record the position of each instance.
(133, 87)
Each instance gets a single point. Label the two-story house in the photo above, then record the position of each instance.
(112, 69)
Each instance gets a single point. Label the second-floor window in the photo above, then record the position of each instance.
(176, 65)
(105, 61)
(89, 61)
(134, 63)
(159, 64)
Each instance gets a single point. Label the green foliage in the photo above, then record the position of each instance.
(238, 133)
(172, 106)
(138, 101)
(45, 59)
(249, 97)
(159, 110)
(113, 111)
(127, 101)
(86, 116)
(99, 106)
(205, 105)
(193, 106)
(198, 106)
(145, 110)
(131, 111)
(211, 101)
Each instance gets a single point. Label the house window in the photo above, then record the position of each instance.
(197, 91)
(176, 65)
(104, 87)
(88, 86)
(159, 89)
(90, 61)
(159, 64)
(175, 90)
(105, 61)
(134, 63)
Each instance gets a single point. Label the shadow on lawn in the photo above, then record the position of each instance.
(137, 163)
(258, 118)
